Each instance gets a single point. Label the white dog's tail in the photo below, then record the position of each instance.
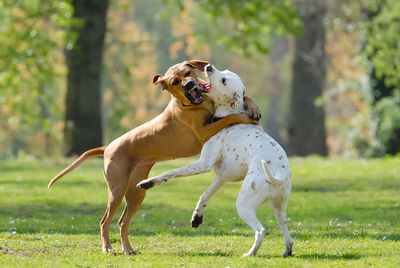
(273, 179)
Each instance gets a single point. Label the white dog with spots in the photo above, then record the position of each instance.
(240, 152)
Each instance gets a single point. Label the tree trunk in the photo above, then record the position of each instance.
(83, 128)
(280, 48)
(306, 120)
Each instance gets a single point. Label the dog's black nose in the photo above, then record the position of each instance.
(189, 85)
(209, 68)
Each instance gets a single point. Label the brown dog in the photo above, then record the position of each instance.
(179, 131)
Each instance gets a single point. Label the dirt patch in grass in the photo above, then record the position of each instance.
(23, 252)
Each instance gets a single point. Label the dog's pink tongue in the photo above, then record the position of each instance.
(204, 87)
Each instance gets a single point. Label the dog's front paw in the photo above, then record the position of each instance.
(146, 184)
(196, 220)
(287, 253)
(253, 112)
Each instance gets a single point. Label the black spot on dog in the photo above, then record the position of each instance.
(281, 157)
(272, 143)
(269, 162)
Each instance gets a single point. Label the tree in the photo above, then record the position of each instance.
(382, 49)
(83, 128)
(279, 50)
(32, 74)
(306, 120)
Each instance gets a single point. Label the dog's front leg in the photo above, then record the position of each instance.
(252, 108)
(197, 217)
(191, 169)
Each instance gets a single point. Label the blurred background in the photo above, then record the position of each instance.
(77, 74)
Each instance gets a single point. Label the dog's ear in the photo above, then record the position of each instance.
(157, 79)
(199, 64)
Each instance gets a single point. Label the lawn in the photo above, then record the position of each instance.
(340, 213)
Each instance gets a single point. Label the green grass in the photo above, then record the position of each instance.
(340, 213)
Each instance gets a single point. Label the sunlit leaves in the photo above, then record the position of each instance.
(246, 26)
(383, 41)
(31, 67)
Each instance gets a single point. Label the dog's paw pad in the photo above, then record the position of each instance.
(196, 220)
(287, 254)
(145, 184)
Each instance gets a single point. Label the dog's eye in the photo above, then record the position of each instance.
(176, 81)
(223, 80)
(188, 73)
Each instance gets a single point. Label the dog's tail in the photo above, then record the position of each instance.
(86, 155)
(274, 179)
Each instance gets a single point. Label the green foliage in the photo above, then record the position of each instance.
(31, 67)
(246, 27)
(382, 43)
(340, 213)
(382, 30)
(384, 124)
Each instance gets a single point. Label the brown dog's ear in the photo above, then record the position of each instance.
(199, 64)
(157, 79)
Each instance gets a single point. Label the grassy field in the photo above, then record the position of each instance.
(340, 213)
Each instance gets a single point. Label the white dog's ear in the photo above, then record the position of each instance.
(235, 101)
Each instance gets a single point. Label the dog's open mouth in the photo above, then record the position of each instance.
(194, 95)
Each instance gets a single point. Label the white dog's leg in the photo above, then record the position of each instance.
(197, 217)
(279, 208)
(209, 156)
(247, 204)
(197, 167)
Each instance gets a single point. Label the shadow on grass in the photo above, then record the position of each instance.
(205, 254)
(56, 217)
(318, 256)
(39, 183)
(338, 185)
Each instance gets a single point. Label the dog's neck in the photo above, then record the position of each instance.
(222, 110)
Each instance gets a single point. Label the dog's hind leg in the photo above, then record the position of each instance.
(197, 217)
(279, 208)
(247, 204)
(117, 182)
(134, 197)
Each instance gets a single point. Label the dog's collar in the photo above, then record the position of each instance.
(215, 119)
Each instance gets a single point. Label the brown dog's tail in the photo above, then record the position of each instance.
(88, 154)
